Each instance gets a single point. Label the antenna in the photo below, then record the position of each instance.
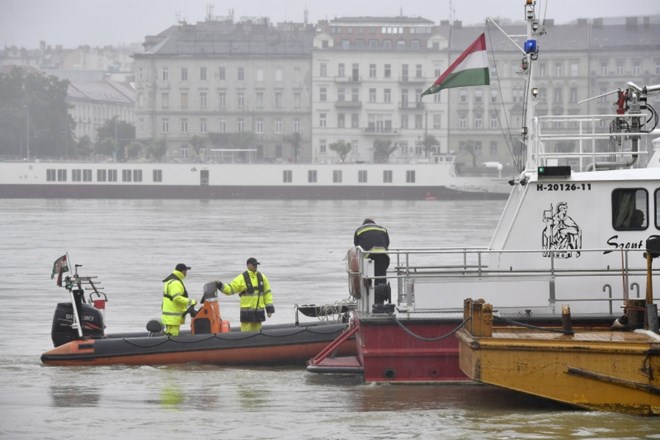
(209, 12)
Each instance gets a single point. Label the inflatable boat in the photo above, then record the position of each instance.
(210, 339)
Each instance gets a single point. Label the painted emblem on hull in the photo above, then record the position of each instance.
(562, 236)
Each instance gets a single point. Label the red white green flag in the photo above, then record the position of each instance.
(469, 69)
(60, 266)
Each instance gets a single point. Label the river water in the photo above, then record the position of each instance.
(132, 245)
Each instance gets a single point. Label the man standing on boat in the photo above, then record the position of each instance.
(175, 300)
(375, 239)
(256, 298)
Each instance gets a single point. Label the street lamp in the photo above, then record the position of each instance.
(27, 128)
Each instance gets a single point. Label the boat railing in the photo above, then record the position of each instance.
(583, 141)
(421, 277)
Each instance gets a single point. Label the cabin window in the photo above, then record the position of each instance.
(76, 175)
(87, 175)
(126, 175)
(312, 176)
(203, 177)
(287, 176)
(51, 175)
(101, 175)
(137, 175)
(657, 209)
(158, 175)
(362, 176)
(336, 176)
(61, 175)
(112, 175)
(630, 209)
(410, 176)
(387, 176)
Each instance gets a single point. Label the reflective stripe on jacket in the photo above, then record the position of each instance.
(256, 297)
(370, 236)
(175, 299)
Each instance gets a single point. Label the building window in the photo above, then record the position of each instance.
(297, 125)
(164, 100)
(619, 68)
(297, 100)
(202, 100)
(221, 73)
(278, 126)
(372, 70)
(202, 73)
(355, 94)
(184, 100)
(437, 121)
(222, 126)
(240, 100)
(387, 95)
(355, 120)
(260, 100)
(322, 146)
(323, 120)
(278, 99)
(184, 126)
(241, 74)
(419, 122)
(165, 126)
(222, 100)
(404, 121)
(372, 95)
(463, 96)
(388, 71)
(259, 126)
(341, 94)
(573, 95)
(478, 122)
(559, 69)
(240, 125)
(603, 68)
(636, 68)
(418, 71)
(323, 70)
(362, 176)
(478, 96)
(165, 74)
(202, 125)
(260, 74)
(493, 148)
(140, 125)
(287, 176)
(341, 70)
(278, 74)
(341, 120)
(184, 74)
(323, 94)
(462, 122)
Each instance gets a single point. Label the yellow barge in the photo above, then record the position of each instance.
(597, 369)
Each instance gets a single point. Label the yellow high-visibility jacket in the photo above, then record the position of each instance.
(175, 299)
(256, 297)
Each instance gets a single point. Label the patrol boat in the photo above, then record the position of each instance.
(210, 340)
(571, 234)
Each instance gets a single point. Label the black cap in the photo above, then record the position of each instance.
(252, 260)
(367, 221)
(182, 267)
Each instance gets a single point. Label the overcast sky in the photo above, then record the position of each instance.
(114, 22)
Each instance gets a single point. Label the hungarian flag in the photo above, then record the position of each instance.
(469, 69)
(60, 266)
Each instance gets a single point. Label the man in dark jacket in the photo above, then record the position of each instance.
(372, 237)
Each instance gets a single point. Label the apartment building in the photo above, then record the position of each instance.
(242, 87)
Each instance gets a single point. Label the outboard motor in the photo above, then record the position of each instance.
(63, 331)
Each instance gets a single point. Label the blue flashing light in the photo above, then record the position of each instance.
(530, 46)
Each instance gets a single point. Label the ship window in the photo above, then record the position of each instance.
(51, 175)
(76, 175)
(387, 176)
(410, 176)
(336, 176)
(101, 175)
(203, 177)
(87, 175)
(126, 175)
(657, 209)
(630, 209)
(137, 175)
(158, 175)
(311, 176)
(287, 176)
(362, 176)
(112, 175)
(61, 175)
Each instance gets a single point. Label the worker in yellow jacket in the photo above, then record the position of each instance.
(256, 298)
(175, 300)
